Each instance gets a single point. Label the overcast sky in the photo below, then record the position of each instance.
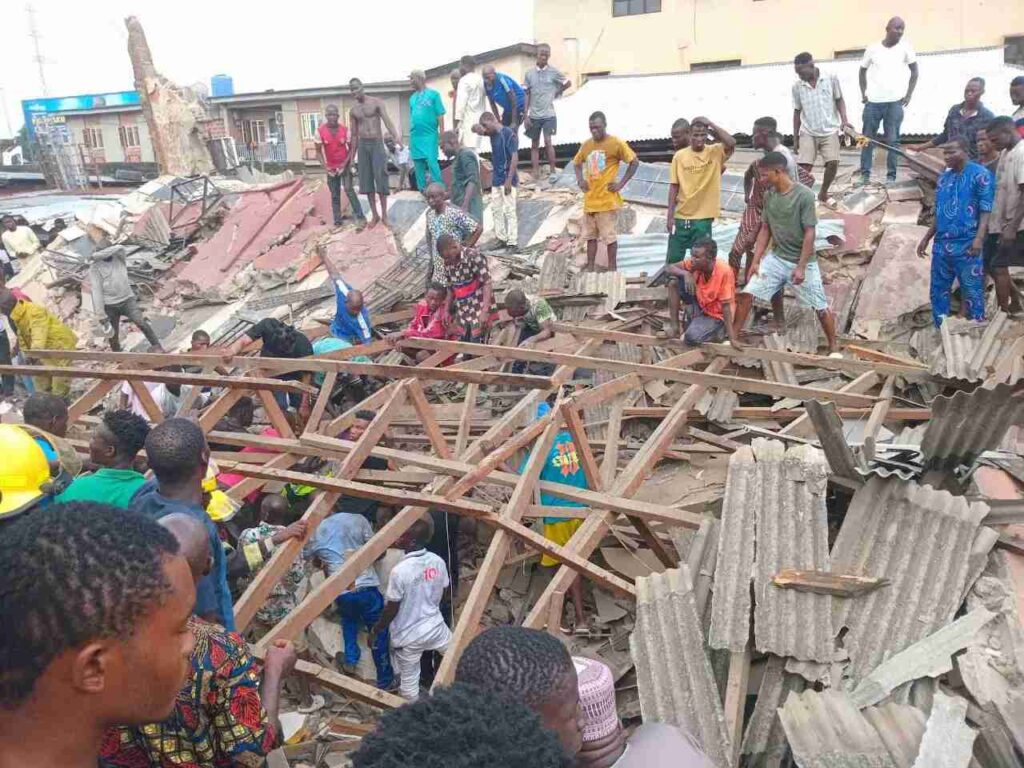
(261, 45)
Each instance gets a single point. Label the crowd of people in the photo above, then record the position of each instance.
(120, 589)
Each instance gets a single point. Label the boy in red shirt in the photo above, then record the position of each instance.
(430, 320)
(335, 154)
(707, 285)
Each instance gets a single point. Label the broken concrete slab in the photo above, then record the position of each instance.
(896, 283)
(948, 741)
(927, 658)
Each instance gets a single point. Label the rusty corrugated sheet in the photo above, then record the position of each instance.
(965, 425)
(826, 730)
(792, 532)
(674, 677)
(764, 738)
(920, 540)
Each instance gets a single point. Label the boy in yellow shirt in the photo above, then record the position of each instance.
(597, 168)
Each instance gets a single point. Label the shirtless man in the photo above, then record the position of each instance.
(371, 154)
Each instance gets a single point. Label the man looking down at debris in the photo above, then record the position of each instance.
(963, 201)
(38, 328)
(1004, 246)
(351, 318)
(113, 296)
(708, 287)
(443, 218)
(470, 290)
(789, 221)
(505, 179)
(279, 340)
(597, 170)
(533, 315)
(465, 192)
(368, 143)
(227, 712)
(179, 457)
(96, 604)
(412, 613)
(113, 446)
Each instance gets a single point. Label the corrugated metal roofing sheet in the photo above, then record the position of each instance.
(965, 425)
(947, 740)
(764, 737)
(734, 97)
(829, 427)
(792, 532)
(674, 677)
(920, 540)
(970, 351)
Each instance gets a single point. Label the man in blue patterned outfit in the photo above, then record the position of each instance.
(963, 201)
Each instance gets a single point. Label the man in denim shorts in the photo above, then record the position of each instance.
(789, 219)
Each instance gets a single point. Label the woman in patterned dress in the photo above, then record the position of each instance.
(445, 218)
(470, 291)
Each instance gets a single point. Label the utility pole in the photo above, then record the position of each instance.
(33, 32)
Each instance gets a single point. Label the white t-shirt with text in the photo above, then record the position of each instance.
(418, 581)
(888, 71)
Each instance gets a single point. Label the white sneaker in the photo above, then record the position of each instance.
(836, 355)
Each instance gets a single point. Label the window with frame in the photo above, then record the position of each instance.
(93, 138)
(849, 53)
(310, 122)
(254, 131)
(635, 7)
(698, 66)
(129, 135)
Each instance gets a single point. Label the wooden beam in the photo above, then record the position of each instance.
(585, 454)
(161, 377)
(430, 425)
(466, 418)
(275, 415)
(281, 461)
(874, 356)
(736, 698)
(90, 399)
(802, 427)
(216, 410)
(758, 413)
(877, 418)
(827, 583)
(320, 406)
(346, 686)
(147, 402)
(191, 394)
(737, 383)
(610, 461)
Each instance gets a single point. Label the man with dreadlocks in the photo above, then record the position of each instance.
(114, 444)
(96, 603)
(461, 727)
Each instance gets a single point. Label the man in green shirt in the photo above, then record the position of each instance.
(113, 447)
(788, 220)
(533, 315)
(465, 192)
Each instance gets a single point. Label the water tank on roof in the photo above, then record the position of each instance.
(222, 85)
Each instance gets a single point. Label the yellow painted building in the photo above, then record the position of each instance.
(597, 37)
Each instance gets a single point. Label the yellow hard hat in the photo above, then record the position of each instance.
(25, 472)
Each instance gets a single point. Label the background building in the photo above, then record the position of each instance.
(601, 37)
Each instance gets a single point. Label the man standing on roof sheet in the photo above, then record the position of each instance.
(695, 187)
(543, 85)
(505, 179)
(888, 76)
(465, 192)
(470, 103)
(597, 171)
(1004, 246)
(112, 294)
(335, 153)
(503, 91)
(680, 134)
(1017, 98)
(368, 139)
(426, 121)
(964, 120)
(963, 202)
(789, 221)
(819, 114)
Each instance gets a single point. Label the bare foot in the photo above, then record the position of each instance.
(374, 222)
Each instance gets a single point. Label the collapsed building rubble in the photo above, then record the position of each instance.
(799, 559)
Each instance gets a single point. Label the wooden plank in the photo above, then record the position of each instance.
(147, 402)
(497, 552)
(585, 454)
(90, 399)
(589, 535)
(802, 426)
(219, 407)
(737, 383)
(466, 418)
(716, 440)
(736, 698)
(320, 406)
(281, 461)
(827, 583)
(757, 413)
(873, 355)
(430, 425)
(275, 415)
(188, 399)
(877, 418)
(373, 402)
(610, 461)
(162, 377)
(346, 686)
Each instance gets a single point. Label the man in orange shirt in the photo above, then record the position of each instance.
(709, 287)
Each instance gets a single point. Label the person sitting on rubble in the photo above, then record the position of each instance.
(227, 712)
(114, 297)
(38, 328)
(121, 594)
(113, 448)
(360, 607)
(708, 287)
(351, 318)
(461, 727)
(430, 320)
(789, 221)
(444, 218)
(179, 457)
(470, 290)
(412, 613)
(964, 196)
(279, 340)
(19, 240)
(535, 668)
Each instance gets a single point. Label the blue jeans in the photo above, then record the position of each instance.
(875, 113)
(362, 607)
(702, 328)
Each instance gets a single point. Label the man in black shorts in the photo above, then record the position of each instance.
(1004, 246)
(371, 154)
